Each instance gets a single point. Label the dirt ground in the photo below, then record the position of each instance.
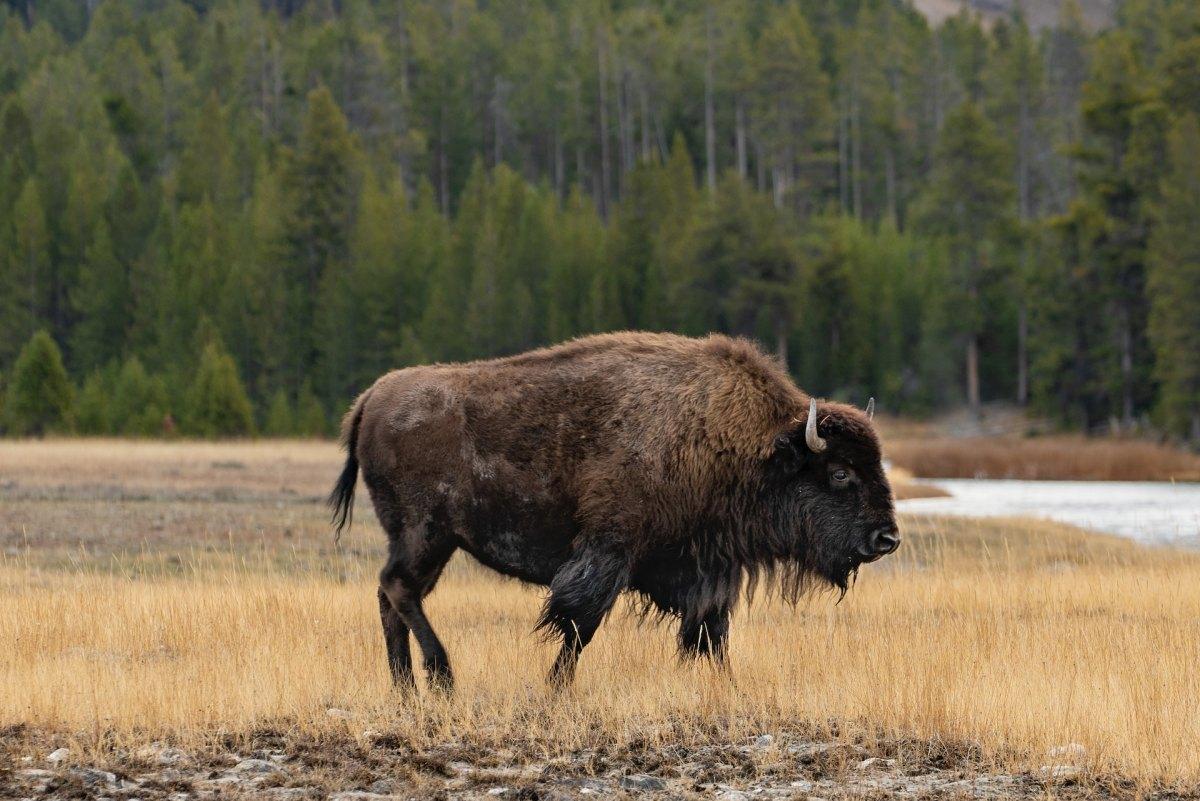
(370, 766)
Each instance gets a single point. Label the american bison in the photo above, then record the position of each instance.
(680, 469)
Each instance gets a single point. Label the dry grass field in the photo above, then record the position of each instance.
(177, 618)
(1043, 458)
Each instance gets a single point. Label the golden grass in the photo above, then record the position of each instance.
(301, 466)
(1058, 458)
(1012, 638)
(124, 622)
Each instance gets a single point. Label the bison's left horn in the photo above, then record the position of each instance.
(811, 438)
(871, 409)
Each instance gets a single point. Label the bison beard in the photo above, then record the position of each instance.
(684, 470)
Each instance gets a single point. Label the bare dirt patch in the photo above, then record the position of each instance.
(373, 766)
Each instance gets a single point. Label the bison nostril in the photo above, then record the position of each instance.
(885, 540)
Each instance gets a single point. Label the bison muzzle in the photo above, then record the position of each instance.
(683, 470)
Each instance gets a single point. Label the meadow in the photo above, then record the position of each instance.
(172, 612)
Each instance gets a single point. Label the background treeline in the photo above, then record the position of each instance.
(229, 217)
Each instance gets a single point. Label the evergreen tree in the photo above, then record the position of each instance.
(217, 405)
(280, 420)
(342, 188)
(40, 396)
(1173, 283)
(139, 403)
(102, 299)
(311, 420)
(91, 407)
(790, 104)
(320, 186)
(968, 206)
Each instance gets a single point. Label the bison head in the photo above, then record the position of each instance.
(832, 500)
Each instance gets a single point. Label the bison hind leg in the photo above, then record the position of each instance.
(395, 635)
(415, 562)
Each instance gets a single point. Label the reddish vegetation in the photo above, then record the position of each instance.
(1054, 458)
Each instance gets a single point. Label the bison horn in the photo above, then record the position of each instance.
(871, 409)
(811, 438)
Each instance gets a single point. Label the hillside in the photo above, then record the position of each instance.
(1041, 13)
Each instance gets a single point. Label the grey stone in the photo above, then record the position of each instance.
(59, 755)
(733, 795)
(764, 741)
(161, 754)
(94, 776)
(292, 793)
(251, 766)
(640, 781)
(358, 795)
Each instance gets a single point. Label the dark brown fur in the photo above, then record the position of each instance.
(673, 467)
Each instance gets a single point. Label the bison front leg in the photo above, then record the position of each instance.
(582, 593)
(705, 635)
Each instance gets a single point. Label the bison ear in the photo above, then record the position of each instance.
(788, 454)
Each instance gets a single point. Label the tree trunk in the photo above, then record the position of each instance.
(843, 147)
(973, 401)
(497, 143)
(1126, 373)
(622, 130)
(710, 123)
(559, 166)
(1022, 354)
(443, 163)
(647, 148)
(1024, 204)
(605, 157)
(760, 169)
(740, 134)
(781, 340)
(889, 158)
(856, 151)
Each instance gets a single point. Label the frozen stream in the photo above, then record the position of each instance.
(1146, 511)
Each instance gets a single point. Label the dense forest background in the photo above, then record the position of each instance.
(228, 217)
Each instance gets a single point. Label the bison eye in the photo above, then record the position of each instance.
(840, 478)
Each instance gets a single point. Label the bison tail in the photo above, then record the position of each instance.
(341, 499)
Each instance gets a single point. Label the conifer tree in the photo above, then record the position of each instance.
(280, 421)
(311, 420)
(968, 206)
(40, 396)
(320, 185)
(1173, 282)
(217, 405)
(139, 401)
(91, 407)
